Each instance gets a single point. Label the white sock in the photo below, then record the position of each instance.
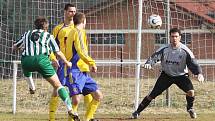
(30, 83)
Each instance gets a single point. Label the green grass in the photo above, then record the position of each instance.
(117, 104)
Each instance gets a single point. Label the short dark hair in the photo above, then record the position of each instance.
(40, 22)
(173, 30)
(79, 18)
(68, 5)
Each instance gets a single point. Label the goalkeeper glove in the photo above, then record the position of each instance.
(200, 78)
(147, 66)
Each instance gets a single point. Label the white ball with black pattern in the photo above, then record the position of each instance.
(155, 21)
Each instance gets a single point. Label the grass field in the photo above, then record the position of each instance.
(117, 104)
(113, 117)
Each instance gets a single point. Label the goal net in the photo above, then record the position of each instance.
(112, 27)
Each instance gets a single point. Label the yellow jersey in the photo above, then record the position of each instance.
(77, 50)
(60, 33)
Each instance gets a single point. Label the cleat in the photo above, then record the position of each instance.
(32, 91)
(135, 115)
(93, 119)
(73, 117)
(192, 113)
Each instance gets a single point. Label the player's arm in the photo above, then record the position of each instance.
(52, 56)
(193, 66)
(81, 49)
(19, 43)
(152, 60)
(54, 48)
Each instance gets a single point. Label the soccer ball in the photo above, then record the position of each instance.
(155, 21)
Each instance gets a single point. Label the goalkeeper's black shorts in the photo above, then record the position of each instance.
(165, 81)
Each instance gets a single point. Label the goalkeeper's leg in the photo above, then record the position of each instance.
(145, 102)
(190, 99)
(161, 84)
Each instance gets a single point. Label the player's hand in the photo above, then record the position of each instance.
(200, 78)
(55, 64)
(14, 48)
(147, 66)
(94, 69)
(68, 64)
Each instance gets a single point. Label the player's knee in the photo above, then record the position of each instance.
(75, 100)
(190, 93)
(54, 93)
(97, 95)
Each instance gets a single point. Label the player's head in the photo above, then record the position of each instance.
(41, 23)
(69, 11)
(79, 18)
(175, 36)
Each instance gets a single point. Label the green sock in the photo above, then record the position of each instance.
(63, 94)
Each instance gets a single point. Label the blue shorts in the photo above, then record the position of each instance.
(76, 81)
(82, 83)
(62, 74)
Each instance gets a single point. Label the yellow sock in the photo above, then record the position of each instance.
(53, 104)
(87, 100)
(75, 108)
(91, 109)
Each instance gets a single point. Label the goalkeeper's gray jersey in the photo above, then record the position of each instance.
(174, 61)
(37, 42)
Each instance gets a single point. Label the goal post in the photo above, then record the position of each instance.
(15, 70)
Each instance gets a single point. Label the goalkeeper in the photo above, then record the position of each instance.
(175, 59)
(60, 33)
(36, 46)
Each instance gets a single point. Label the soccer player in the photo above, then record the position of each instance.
(175, 59)
(77, 53)
(60, 33)
(36, 46)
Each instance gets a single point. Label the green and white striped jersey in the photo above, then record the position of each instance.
(37, 42)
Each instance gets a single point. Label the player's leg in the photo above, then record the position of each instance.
(75, 86)
(63, 94)
(48, 72)
(31, 84)
(53, 104)
(92, 88)
(87, 99)
(54, 101)
(28, 62)
(163, 82)
(184, 83)
(93, 105)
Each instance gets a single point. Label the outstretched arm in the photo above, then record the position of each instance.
(19, 43)
(152, 60)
